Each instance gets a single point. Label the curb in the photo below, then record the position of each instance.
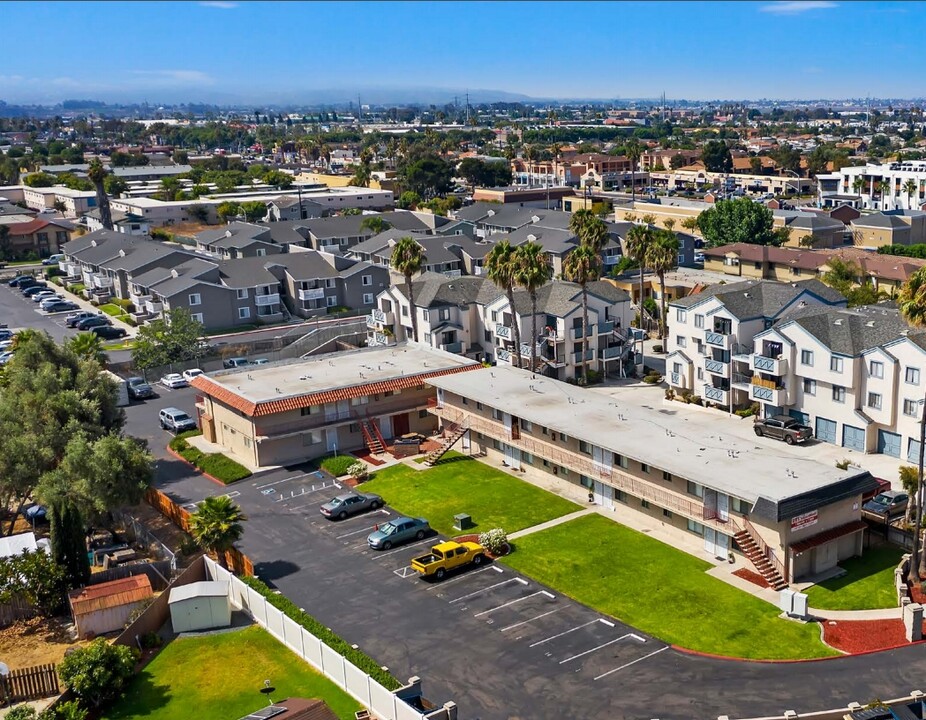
(182, 459)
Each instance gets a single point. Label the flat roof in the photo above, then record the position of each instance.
(291, 384)
(685, 446)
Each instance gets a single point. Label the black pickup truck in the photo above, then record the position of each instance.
(783, 427)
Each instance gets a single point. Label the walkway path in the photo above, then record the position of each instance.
(550, 523)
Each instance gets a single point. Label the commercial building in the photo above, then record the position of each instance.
(890, 186)
(793, 519)
(296, 410)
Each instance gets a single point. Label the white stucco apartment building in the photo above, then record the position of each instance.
(862, 187)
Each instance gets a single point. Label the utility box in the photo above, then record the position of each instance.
(786, 600)
(799, 605)
(462, 521)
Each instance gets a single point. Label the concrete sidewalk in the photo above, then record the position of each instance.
(550, 523)
(130, 330)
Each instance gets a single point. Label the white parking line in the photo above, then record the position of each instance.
(404, 572)
(536, 617)
(566, 632)
(597, 647)
(511, 602)
(294, 477)
(491, 587)
(632, 662)
(386, 553)
(445, 583)
(356, 532)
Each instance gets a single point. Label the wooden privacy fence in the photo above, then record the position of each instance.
(237, 561)
(31, 683)
(18, 608)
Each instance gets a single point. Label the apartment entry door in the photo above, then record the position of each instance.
(604, 495)
(400, 424)
(716, 543)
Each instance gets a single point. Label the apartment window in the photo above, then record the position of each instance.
(644, 468)
(584, 447)
(680, 315)
(425, 315)
(666, 513)
(810, 387)
(331, 301)
(912, 376)
(244, 313)
(405, 311)
(311, 438)
(620, 495)
(196, 299)
(695, 489)
(527, 426)
(464, 400)
(494, 316)
(366, 280)
(836, 364)
(620, 461)
(310, 410)
(353, 428)
(563, 471)
(586, 482)
(909, 407)
(198, 317)
(681, 341)
(443, 314)
(699, 321)
(839, 394)
(667, 476)
(807, 357)
(676, 367)
(368, 298)
(487, 336)
(422, 414)
(739, 507)
(479, 406)
(876, 369)
(330, 282)
(700, 374)
(527, 458)
(644, 504)
(695, 527)
(242, 293)
(427, 338)
(874, 400)
(497, 414)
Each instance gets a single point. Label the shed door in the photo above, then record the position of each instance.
(853, 437)
(889, 443)
(826, 430)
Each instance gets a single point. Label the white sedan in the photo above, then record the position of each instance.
(192, 373)
(174, 381)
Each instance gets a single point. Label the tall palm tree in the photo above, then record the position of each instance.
(639, 238)
(634, 151)
(661, 257)
(590, 229)
(88, 346)
(216, 526)
(502, 269)
(97, 174)
(530, 154)
(909, 188)
(858, 184)
(582, 266)
(533, 272)
(911, 301)
(884, 187)
(407, 259)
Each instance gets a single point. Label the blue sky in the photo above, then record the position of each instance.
(260, 52)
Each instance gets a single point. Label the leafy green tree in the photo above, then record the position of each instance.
(737, 221)
(583, 266)
(37, 578)
(375, 224)
(841, 275)
(662, 257)
(114, 185)
(228, 210)
(68, 541)
(39, 180)
(199, 212)
(280, 179)
(176, 337)
(501, 267)
(216, 526)
(408, 200)
(787, 157)
(430, 176)
(533, 272)
(408, 258)
(361, 176)
(716, 156)
(677, 161)
(99, 672)
(181, 157)
(254, 210)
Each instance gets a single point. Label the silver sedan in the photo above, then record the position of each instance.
(350, 504)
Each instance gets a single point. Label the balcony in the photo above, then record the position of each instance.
(503, 356)
(377, 339)
(153, 307)
(577, 356)
(577, 332)
(609, 353)
(263, 300)
(454, 347)
(716, 367)
(715, 394)
(383, 318)
(717, 339)
(768, 391)
(503, 331)
(772, 366)
(311, 294)
(101, 281)
(605, 327)
(552, 335)
(526, 350)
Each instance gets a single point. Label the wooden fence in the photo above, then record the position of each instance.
(18, 608)
(31, 683)
(237, 561)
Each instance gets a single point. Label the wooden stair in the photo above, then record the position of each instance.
(456, 432)
(752, 551)
(372, 436)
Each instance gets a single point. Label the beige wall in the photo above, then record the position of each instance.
(876, 237)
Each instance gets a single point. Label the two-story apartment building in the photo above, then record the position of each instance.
(290, 411)
(854, 375)
(313, 282)
(891, 227)
(40, 236)
(802, 516)
(237, 240)
(710, 334)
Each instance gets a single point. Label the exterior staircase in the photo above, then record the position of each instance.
(456, 432)
(757, 555)
(372, 436)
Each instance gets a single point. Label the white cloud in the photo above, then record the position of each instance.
(175, 77)
(220, 4)
(795, 7)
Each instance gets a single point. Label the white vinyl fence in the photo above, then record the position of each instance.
(381, 702)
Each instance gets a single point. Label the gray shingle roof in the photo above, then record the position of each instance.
(880, 220)
(760, 298)
(234, 235)
(851, 331)
(247, 272)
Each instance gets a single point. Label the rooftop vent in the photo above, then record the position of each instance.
(837, 321)
(870, 323)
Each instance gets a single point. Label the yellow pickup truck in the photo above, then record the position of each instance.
(448, 556)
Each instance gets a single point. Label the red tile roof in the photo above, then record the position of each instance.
(826, 536)
(219, 392)
(27, 228)
(110, 594)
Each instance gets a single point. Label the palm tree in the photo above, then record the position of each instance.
(910, 484)
(216, 525)
(502, 269)
(858, 184)
(634, 151)
(662, 256)
(88, 346)
(911, 301)
(884, 188)
(909, 188)
(530, 154)
(97, 174)
(361, 176)
(407, 259)
(582, 266)
(590, 229)
(639, 238)
(533, 272)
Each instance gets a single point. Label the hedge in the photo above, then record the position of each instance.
(337, 465)
(335, 642)
(219, 466)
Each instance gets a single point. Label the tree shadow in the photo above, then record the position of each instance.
(141, 698)
(274, 569)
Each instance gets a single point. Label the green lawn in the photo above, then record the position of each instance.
(660, 590)
(217, 677)
(867, 585)
(462, 485)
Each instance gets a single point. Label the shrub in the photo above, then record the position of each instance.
(843, 464)
(219, 466)
(358, 471)
(151, 640)
(126, 305)
(670, 394)
(335, 642)
(652, 379)
(657, 348)
(98, 672)
(338, 465)
(593, 377)
(494, 540)
(695, 400)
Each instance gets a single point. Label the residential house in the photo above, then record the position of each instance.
(289, 207)
(710, 334)
(441, 254)
(40, 237)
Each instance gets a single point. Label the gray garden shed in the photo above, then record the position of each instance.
(200, 606)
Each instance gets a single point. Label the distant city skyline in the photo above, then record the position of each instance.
(231, 52)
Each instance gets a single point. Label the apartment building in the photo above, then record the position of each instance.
(889, 186)
(290, 411)
(733, 494)
(441, 254)
(471, 315)
(39, 236)
(607, 171)
(288, 207)
(710, 334)
(890, 227)
(701, 179)
(73, 203)
(122, 222)
(855, 375)
(314, 282)
(237, 240)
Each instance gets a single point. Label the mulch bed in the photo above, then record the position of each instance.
(367, 458)
(428, 445)
(856, 636)
(752, 577)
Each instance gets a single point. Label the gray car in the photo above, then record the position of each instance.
(139, 388)
(350, 503)
(398, 531)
